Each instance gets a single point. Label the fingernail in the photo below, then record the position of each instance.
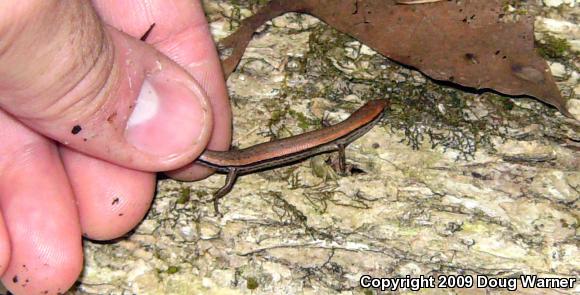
(168, 118)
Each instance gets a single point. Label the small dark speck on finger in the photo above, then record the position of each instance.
(76, 129)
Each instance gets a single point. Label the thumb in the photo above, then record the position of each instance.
(96, 90)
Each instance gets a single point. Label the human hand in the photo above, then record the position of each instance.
(121, 111)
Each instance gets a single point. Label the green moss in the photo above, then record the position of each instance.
(519, 6)
(303, 121)
(172, 269)
(252, 283)
(201, 194)
(276, 116)
(552, 47)
(508, 104)
(184, 195)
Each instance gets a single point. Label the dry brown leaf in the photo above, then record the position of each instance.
(465, 42)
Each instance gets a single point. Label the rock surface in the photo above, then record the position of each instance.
(556, 3)
(450, 183)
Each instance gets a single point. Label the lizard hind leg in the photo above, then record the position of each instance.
(342, 158)
(224, 190)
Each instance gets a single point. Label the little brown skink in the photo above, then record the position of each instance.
(292, 149)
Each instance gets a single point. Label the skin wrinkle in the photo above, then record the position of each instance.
(11, 38)
(74, 108)
(179, 35)
(197, 64)
(48, 69)
(17, 12)
(147, 7)
(23, 156)
(100, 55)
(7, 41)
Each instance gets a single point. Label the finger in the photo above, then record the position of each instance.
(111, 200)
(39, 212)
(4, 245)
(181, 32)
(97, 90)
